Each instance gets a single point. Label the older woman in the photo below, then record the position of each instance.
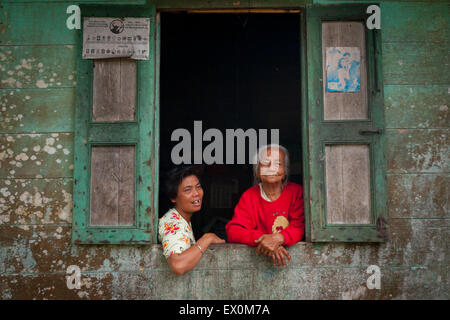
(175, 230)
(270, 214)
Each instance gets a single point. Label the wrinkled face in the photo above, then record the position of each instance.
(271, 166)
(189, 196)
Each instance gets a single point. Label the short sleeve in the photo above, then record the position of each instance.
(175, 236)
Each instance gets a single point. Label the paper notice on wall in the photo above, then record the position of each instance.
(116, 38)
(343, 69)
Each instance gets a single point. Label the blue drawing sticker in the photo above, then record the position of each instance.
(343, 69)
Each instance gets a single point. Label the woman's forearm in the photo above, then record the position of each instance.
(181, 263)
(240, 234)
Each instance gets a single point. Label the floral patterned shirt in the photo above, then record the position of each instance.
(175, 233)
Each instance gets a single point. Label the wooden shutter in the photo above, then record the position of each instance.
(347, 187)
(114, 142)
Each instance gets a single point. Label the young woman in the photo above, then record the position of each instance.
(175, 230)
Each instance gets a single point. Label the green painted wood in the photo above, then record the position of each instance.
(418, 21)
(89, 134)
(417, 150)
(418, 195)
(36, 201)
(416, 106)
(344, 132)
(37, 66)
(305, 126)
(36, 155)
(427, 233)
(415, 63)
(37, 110)
(157, 128)
(110, 235)
(113, 133)
(36, 24)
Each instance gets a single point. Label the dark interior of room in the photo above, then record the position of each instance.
(229, 71)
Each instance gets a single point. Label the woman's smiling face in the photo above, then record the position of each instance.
(189, 195)
(272, 167)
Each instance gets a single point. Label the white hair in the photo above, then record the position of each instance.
(257, 158)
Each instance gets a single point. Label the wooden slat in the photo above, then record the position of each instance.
(112, 186)
(398, 21)
(114, 132)
(348, 184)
(47, 66)
(36, 155)
(416, 106)
(36, 201)
(35, 24)
(417, 150)
(340, 105)
(114, 90)
(31, 110)
(418, 63)
(418, 195)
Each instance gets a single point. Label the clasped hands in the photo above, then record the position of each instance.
(271, 246)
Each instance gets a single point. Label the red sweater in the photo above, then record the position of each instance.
(254, 216)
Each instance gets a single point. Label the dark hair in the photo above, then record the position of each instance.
(175, 176)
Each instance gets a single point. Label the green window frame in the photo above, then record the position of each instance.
(144, 132)
(318, 133)
(139, 133)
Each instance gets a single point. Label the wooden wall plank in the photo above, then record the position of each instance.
(420, 234)
(114, 90)
(416, 106)
(340, 105)
(417, 150)
(36, 24)
(418, 21)
(36, 155)
(35, 201)
(37, 66)
(415, 63)
(31, 110)
(418, 195)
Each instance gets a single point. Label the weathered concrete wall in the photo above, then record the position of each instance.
(37, 92)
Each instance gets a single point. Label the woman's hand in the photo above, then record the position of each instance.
(268, 243)
(278, 256)
(212, 238)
